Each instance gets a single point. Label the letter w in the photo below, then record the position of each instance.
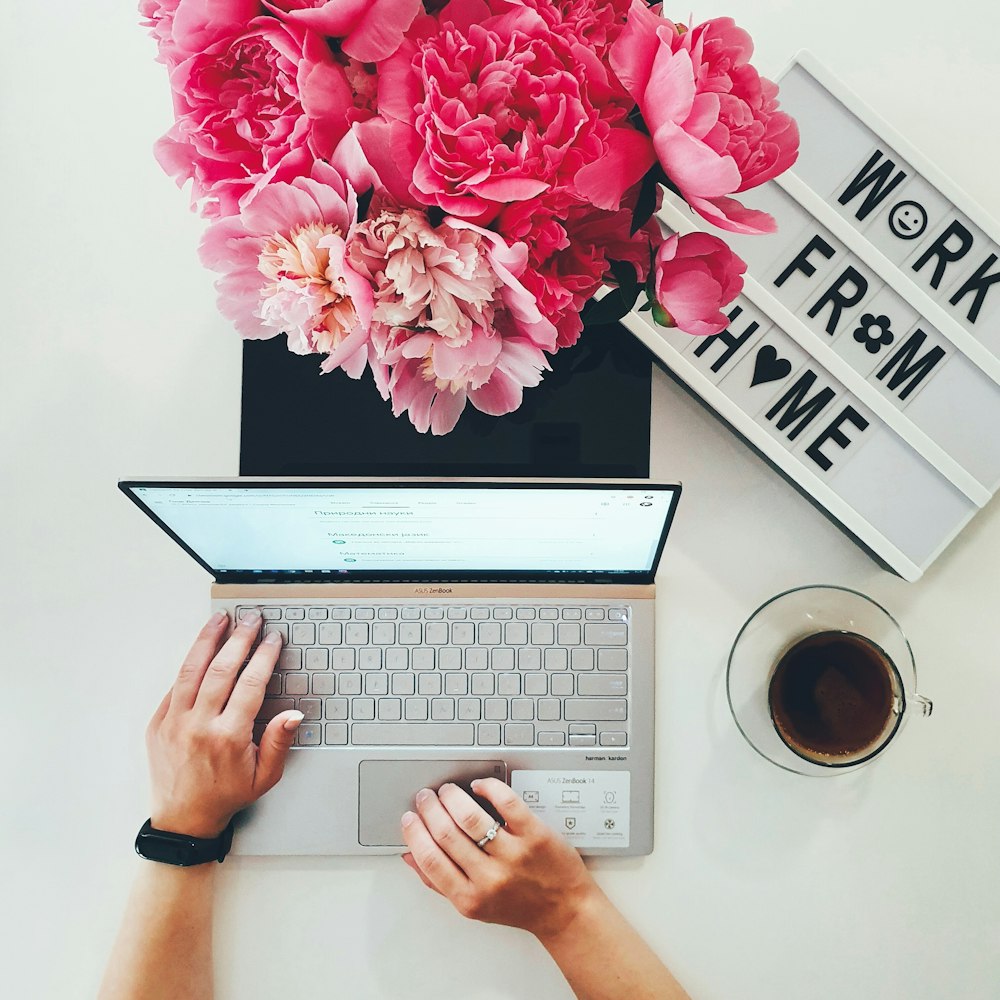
(875, 178)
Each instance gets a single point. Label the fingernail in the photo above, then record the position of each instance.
(423, 795)
(272, 637)
(250, 617)
(408, 818)
(292, 722)
(218, 618)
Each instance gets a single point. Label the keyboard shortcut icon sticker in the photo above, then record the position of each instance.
(589, 808)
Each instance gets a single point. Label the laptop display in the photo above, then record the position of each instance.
(261, 532)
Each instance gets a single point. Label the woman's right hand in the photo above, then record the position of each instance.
(527, 876)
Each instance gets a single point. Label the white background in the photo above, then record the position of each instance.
(762, 885)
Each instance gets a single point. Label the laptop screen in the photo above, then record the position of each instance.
(454, 531)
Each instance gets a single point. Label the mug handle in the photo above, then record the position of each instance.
(924, 706)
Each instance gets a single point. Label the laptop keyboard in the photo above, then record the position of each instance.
(447, 675)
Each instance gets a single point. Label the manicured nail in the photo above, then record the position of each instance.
(423, 795)
(273, 638)
(250, 617)
(408, 818)
(218, 618)
(292, 722)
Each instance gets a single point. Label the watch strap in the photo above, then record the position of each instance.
(180, 848)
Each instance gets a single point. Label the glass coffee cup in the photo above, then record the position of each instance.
(821, 679)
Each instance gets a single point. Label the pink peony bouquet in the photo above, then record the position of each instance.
(436, 191)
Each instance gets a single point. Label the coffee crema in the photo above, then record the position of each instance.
(832, 698)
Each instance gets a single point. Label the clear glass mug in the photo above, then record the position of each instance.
(784, 621)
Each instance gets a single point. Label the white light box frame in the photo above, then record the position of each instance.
(863, 358)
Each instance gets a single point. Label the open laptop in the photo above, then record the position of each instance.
(441, 630)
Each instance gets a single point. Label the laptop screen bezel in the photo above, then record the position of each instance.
(129, 486)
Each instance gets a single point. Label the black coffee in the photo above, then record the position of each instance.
(831, 697)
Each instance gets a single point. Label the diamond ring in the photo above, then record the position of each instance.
(490, 835)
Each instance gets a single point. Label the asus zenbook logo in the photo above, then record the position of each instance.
(432, 590)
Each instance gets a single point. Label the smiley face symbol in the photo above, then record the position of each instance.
(908, 220)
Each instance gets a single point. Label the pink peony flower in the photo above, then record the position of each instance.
(480, 110)
(368, 30)
(569, 258)
(451, 321)
(714, 121)
(254, 110)
(694, 276)
(183, 27)
(284, 266)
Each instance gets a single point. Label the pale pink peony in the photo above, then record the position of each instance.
(254, 110)
(714, 122)
(694, 277)
(479, 110)
(451, 321)
(283, 260)
(368, 30)
(184, 27)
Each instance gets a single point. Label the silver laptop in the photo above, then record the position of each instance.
(441, 630)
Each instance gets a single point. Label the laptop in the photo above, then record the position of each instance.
(441, 630)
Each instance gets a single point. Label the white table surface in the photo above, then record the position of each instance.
(763, 884)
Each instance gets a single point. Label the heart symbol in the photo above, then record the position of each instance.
(769, 367)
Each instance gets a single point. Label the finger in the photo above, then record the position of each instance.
(196, 662)
(220, 676)
(447, 834)
(275, 742)
(161, 710)
(410, 863)
(248, 694)
(440, 871)
(507, 803)
(470, 817)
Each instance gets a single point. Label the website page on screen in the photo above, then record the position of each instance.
(268, 530)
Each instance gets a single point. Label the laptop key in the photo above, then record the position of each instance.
(548, 614)
(270, 614)
(340, 614)
(335, 734)
(469, 709)
(321, 684)
(290, 659)
(364, 614)
(363, 708)
(349, 684)
(525, 614)
(294, 614)
(429, 684)
(317, 658)
(342, 659)
(318, 614)
(549, 709)
(336, 709)
(299, 683)
(582, 741)
(483, 684)
(612, 659)
(522, 709)
(556, 659)
(455, 613)
(509, 684)
(489, 634)
(614, 739)
(479, 613)
(436, 633)
(409, 614)
(596, 709)
(503, 614)
(304, 634)
(455, 684)
(376, 683)
(476, 658)
(489, 734)
(529, 658)
(423, 658)
(450, 658)
(387, 614)
(356, 634)
(370, 658)
(611, 634)
(403, 684)
(543, 634)
(409, 633)
(572, 614)
(310, 708)
(603, 685)
(519, 734)
(495, 709)
(551, 739)
(562, 685)
(618, 614)
(272, 707)
(390, 709)
(415, 709)
(569, 634)
(582, 658)
(594, 614)
(433, 614)
(444, 734)
(280, 628)
(463, 633)
(274, 684)
(383, 633)
(397, 658)
(515, 634)
(442, 709)
(536, 684)
(308, 735)
(331, 634)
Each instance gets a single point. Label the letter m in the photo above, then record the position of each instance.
(909, 366)
(798, 407)
(876, 178)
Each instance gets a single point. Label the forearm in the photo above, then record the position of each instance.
(603, 958)
(164, 948)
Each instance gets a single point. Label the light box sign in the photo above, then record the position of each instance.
(863, 358)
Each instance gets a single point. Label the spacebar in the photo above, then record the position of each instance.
(455, 734)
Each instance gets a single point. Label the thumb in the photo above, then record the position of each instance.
(275, 743)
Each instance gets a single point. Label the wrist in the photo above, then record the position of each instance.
(204, 828)
(582, 911)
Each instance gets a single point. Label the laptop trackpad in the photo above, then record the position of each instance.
(387, 788)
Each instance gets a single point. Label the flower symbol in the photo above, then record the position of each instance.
(874, 333)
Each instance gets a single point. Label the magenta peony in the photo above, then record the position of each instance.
(284, 266)
(451, 321)
(480, 110)
(694, 276)
(714, 121)
(368, 30)
(253, 110)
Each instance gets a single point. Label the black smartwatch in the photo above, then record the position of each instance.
(179, 848)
